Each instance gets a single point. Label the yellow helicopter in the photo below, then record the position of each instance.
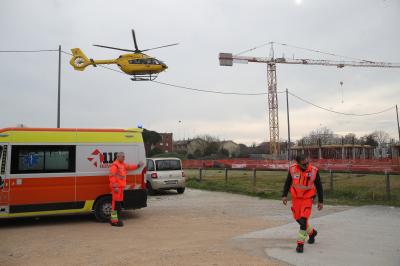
(137, 64)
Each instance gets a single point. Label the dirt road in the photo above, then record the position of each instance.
(195, 228)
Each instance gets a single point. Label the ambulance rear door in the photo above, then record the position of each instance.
(4, 180)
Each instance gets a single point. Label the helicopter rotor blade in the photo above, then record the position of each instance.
(160, 47)
(134, 40)
(114, 48)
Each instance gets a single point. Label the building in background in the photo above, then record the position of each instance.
(165, 145)
(231, 147)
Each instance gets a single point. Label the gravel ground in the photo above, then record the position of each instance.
(194, 228)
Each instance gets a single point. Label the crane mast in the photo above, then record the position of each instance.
(227, 59)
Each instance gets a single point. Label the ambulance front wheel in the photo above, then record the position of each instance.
(102, 209)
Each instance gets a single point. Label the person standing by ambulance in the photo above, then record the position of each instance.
(304, 183)
(118, 172)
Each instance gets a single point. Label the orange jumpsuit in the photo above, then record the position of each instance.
(118, 172)
(302, 190)
(303, 187)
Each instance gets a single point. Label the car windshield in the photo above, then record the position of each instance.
(168, 165)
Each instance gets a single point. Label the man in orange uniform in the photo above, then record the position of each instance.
(118, 172)
(304, 182)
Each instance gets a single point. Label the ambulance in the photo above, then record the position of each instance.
(47, 171)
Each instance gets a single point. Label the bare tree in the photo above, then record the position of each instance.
(381, 137)
(350, 138)
(317, 136)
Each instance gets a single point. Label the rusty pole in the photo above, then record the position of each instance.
(398, 125)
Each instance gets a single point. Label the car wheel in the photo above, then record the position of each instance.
(180, 190)
(150, 189)
(102, 209)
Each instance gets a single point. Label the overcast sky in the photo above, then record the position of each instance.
(96, 97)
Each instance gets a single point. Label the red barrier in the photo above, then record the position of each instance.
(372, 166)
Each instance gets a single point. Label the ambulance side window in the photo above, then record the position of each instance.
(27, 159)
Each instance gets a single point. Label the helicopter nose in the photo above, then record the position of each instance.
(164, 66)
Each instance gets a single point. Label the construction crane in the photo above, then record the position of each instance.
(227, 59)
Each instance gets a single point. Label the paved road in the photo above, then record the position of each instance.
(368, 235)
(202, 228)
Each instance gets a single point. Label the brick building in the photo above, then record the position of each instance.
(165, 145)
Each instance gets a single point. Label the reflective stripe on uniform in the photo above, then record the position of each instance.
(303, 186)
(301, 237)
(114, 217)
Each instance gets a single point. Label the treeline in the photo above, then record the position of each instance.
(325, 136)
(209, 147)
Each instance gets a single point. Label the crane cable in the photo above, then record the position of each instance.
(306, 49)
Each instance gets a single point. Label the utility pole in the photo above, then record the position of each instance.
(59, 86)
(288, 123)
(398, 125)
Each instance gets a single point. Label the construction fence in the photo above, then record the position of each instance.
(355, 166)
(344, 182)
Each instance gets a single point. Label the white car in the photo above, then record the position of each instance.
(163, 174)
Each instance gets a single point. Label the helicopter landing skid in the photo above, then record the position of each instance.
(143, 77)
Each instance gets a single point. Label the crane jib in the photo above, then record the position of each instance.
(229, 59)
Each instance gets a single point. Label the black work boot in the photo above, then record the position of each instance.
(311, 239)
(119, 224)
(300, 248)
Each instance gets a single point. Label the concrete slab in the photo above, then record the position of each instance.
(368, 235)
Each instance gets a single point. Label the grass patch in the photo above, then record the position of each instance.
(348, 188)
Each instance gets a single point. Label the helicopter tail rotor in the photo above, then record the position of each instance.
(79, 60)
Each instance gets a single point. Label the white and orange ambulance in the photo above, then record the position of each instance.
(47, 171)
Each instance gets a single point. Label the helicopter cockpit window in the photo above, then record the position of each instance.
(135, 61)
(147, 61)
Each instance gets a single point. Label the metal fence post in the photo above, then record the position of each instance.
(226, 175)
(254, 176)
(200, 174)
(387, 185)
(330, 180)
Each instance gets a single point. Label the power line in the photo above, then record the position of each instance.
(109, 68)
(185, 87)
(249, 94)
(28, 51)
(211, 91)
(337, 112)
